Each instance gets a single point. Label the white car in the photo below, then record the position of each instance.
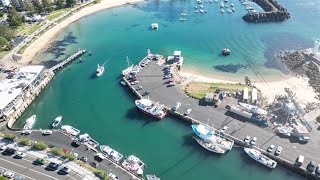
(20, 154)
(47, 132)
(271, 148)
(134, 82)
(167, 76)
(253, 141)
(26, 132)
(143, 65)
(113, 176)
(188, 112)
(177, 106)
(8, 174)
(172, 84)
(247, 139)
(279, 150)
(3, 147)
(224, 128)
(139, 88)
(74, 154)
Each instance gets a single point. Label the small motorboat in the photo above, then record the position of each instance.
(57, 121)
(155, 26)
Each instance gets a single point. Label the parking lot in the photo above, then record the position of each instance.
(151, 78)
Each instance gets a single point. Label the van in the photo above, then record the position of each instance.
(300, 160)
(304, 139)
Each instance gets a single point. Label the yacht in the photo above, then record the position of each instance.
(152, 177)
(127, 71)
(30, 122)
(99, 70)
(153, 109)
(201, 10)
(258, 156)
(114, 155)
(199, 1)
(222, 10)
(222, 5)
(210, 146)
(57, 121)
(86, 138)
(209, 135)
(201, 6)
(155, 26)
(70, 130)
(253, 109)
(229, 11)
(134, 164)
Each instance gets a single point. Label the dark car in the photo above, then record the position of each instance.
(145, 93)
(76, 143)
(9, 151)
(53, 166)
(311, 166)
(83, 159)
(93, 164)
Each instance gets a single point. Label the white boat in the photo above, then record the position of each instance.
(86, 138)
(233, 9)
(99, 71)
(210, 146)
(253, 109)
(57, 121)
(199, 1)
(258, 156)
(201, 10)
(222, 10)
(70, 130)
(111, 153)
(210, 135)
(127, 71)
(155, 26)
(153, 109)
(221, 5)
(123, 83)
(249, 8)
(232, 5)
(30, 122)
(183, 19)
(134, 164)
(152, 177)
(229, 11)
(215, 1)
(201, 6)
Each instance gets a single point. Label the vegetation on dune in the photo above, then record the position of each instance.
(198, 90)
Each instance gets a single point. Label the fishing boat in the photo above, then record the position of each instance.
(134, 164)
(208, 134)
(153, 109)
(258, 156)
(152, 177)
(155, 26)
(30, 122)
(111, 153)
(253, 109)
(86, 138)
(210, 146)
(127, 71)
(57, 121)
(123, 83)
(70, 130)
(99, 70)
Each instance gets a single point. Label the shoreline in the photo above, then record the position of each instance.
(39, 45)
(269, 89)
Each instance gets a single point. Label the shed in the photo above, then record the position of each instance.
(245, 94)
(254, 95)
(209, 97)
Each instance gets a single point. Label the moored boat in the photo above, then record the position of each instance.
(210, 135)
(111, 153)
(57, 121)
(152, 177)
(100, 70)
(86, 138)
(258, 156)
(70, 130)
(210, 146)
(253, 109)
(127, 71)
(134, 164)
(123, 83)
(155, 26)
(30, 122)
(153, 109)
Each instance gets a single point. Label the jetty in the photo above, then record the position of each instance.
(151, 78)
(70, 59)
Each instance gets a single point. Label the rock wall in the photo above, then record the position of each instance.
(273, 12)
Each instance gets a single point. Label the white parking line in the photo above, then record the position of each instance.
(16, 173)
(29, 169)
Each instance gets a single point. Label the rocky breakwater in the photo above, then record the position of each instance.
(273, 12)
(300, 64)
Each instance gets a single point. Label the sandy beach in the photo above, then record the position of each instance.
(299, 86)
(42, 42)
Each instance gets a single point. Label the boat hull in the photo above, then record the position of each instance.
(152, 115)
(273, 163)
(215, 150)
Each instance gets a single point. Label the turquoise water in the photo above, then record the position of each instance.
(105, 110)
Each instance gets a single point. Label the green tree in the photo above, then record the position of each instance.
(6, 32)
(29, 9)
(3, 43)
(24, 141)
(9, 136)
(58, 151)
(40, 145)
(3, 178)
(37, 6)
(14, 18)
(1, 14)
(70, 3)
(69, 156)
(60, 4)
(47, 6)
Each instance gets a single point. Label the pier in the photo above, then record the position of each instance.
(68, 60)
(151, 79)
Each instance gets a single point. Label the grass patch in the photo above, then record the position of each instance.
(10, 136)
(27, 29)
(24, 142)
(40, 145)
(101, 173)
(57, 13)
(3, 53)
(21, 50)
(198, 90)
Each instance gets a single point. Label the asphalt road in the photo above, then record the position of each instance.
(151, 78)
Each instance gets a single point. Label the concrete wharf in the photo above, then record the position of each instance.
(151, 79)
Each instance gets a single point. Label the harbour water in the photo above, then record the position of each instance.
(105, 110)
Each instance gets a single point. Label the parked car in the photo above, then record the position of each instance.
(311, 166)
(40, 161)
(304, 139)
(74, 154)
(224, 128)
(253, 141)
(171, 84)
(271, 148)
(9, 151)
(167, 76)
(26, 132)
(139, 88)
(113, 176)
(177, 106)
(19, 177)
(279, 150)
(93, 164)
(76, 143)
(299, 160)
(53, 166)
(46, 132)
(83, 159)
(3, 147)
(145, 93)
(247, 139)
(188, 112)
(8, 174)
(143, 65)
(134, 82)
(318, 169)
(65, 169)
(169, 81)
(20, 154)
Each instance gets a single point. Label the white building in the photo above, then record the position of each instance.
(176, 59)
(5, 2)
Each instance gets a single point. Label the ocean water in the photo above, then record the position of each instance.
(105, 110)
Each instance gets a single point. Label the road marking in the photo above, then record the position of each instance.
(29, 169)
(16, 172)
